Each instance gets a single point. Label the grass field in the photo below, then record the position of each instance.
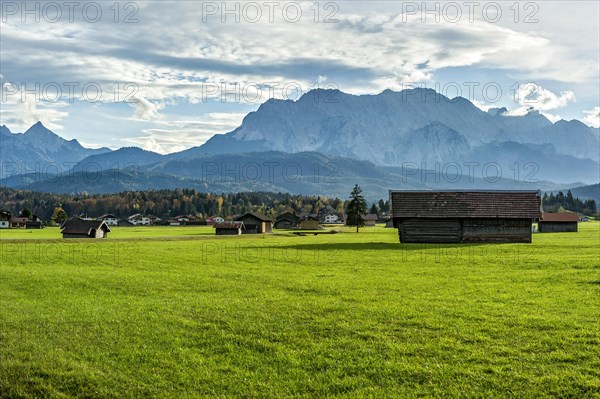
(176, 312)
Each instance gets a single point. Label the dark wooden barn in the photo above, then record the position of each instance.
(255, 223)
(464, 216)
(228, 228)
(558, 223)
(309, 222)
(79, 228)
(34, 224)
(287, 220)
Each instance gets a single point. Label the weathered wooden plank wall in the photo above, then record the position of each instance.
(553, 227)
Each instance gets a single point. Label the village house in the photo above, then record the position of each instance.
(287, 220)
(332, 219)
(229, 228)
(125, 223)
(465, 215)
(179, 220)
(212, 220)
(558, 222)
(79, 228)
(255, 223)
(309, 222)
(18, 222)
(4, 220)
(110, 219)
(139, 220)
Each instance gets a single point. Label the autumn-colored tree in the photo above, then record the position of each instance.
(59, 216)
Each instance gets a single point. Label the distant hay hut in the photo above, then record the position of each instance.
(34, 224)
(287, 220)
(370, 219)
(465, 215)
(255, 223)
(309, 222)
(558, 223)
(79, 228)
(228, 228)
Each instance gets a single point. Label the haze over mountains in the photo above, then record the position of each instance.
(377, 140)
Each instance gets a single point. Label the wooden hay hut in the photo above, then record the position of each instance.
(309, 222)
(33, 224)
(229, 228)
(370, 219)
(255, 223)
(558, 223)
(287, 220)
(465, 215)
(79, 228)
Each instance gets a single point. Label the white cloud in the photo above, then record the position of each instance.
(366, 53)
(21, 115)
(147, 110)
(592, 117)
(175, 135)
(149, 143)
(535, 96)
(481, 105)
(532, 97)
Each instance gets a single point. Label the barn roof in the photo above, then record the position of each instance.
(80, 226)
(466, 204)
(256, 216)
(287, 216)
(229, 225)
(370, 216)
(560, 217)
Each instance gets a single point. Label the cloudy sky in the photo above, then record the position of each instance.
(166, 76)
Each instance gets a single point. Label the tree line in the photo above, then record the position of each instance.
(561, 201)
(169, 203)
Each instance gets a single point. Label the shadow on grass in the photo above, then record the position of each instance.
(376, 246)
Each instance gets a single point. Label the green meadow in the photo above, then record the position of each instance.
(175, 312)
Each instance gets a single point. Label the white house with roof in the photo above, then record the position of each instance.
(140, 220)
(214, 220)
(332, 218)
(4, 220)
(109, 219)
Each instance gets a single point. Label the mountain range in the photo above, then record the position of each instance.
(40, 146)
(325, 142)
